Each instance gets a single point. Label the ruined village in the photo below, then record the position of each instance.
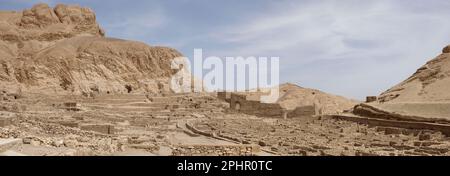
(66, 89)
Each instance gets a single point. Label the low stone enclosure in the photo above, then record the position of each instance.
(253, 106)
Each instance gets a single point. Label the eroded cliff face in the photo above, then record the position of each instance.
(64, 50)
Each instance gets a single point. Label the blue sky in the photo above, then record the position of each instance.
(346, 47)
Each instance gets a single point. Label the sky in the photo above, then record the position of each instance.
(351, 48)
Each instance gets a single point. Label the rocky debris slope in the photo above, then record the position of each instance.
(63, 50)
(428, 84)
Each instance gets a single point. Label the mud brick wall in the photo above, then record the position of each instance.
(303, 111)
(270, 110)
(235, 99)
(249, 106)
(216, 150)
(255, 107)
(225, 96)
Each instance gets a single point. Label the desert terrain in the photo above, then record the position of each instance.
(66, 89)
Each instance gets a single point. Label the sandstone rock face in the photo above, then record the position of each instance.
(428, 84)
(63, 50)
